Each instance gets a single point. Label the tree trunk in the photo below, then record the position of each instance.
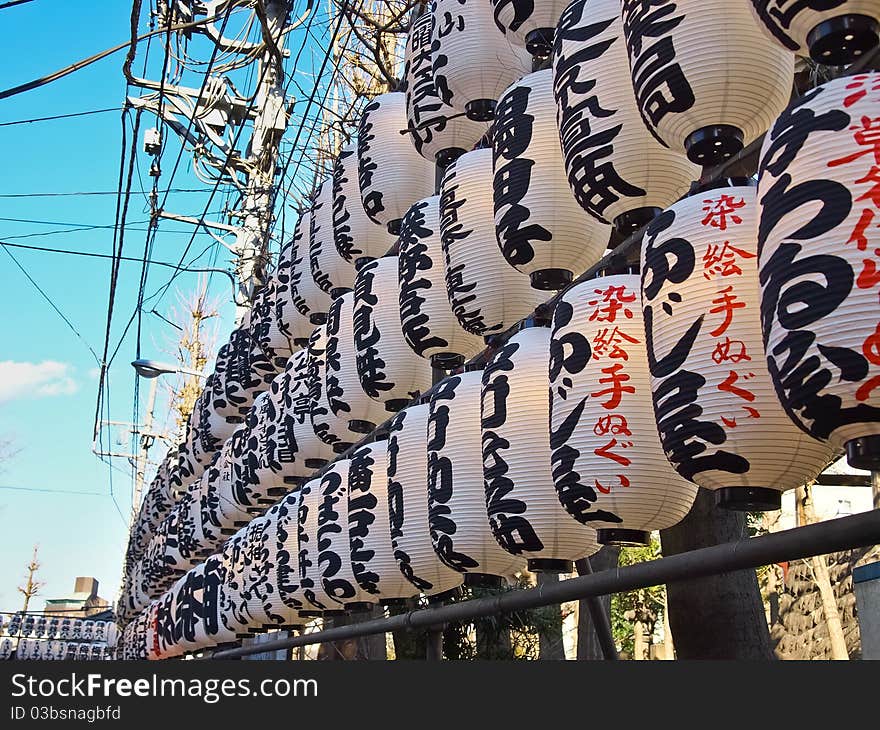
(720, 616)
(639, 644)
(588, 646)
(806, 515)
(365, 647)
(408, 644)
(550, 644)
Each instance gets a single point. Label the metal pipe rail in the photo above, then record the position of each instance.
(843, 533)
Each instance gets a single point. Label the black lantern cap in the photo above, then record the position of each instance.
(748, 499)
(394, 226)
(550, 279)
(359, 606)
(359, 426)
(447, 360)
(338, 291)
(340, 447)
(445, 157)
(842, 40)
(318, 318)
(483, 580)
(539, 42)
(315, 463)
(549, 565)
(301, 342)
(632, 220)
(618, 536)
(714, 144)
(864, 453)
(481, 110)
(396, 404)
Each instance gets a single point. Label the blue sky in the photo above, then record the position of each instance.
(48, 383)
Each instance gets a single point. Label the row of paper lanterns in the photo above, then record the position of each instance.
(623, 137)
(487, 301)
(51, 627)
(52, 650)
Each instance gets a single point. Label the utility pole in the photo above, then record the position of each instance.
(32, 587)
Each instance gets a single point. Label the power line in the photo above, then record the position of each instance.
(12, 3)
(53, 491)
(94, 192)
(51, 303)
(92, 254)
(58, 116)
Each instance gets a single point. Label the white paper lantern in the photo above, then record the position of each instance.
(241, 372)
(291, 311)
(5, 648)
(529, 23)
(308, 298)
(331, 428)
(214, 576)
(818, 243)
(232, 557)
(389, 371)
(346, 397)
(317, 601)
(524, 511)
(608, 464)
(392, 174)
(408, 504)
(428, 323)
(460, 530)
(439, 132)
(617, 169)
(719, 81)
(541, 229)
(720, 421)
(334, 550)
(311, 452)
(332, 273)
(487, 294)
(473, 59)
(833, 32)
(265, 329)
(290, 590)
(355, 235)
(369, 529)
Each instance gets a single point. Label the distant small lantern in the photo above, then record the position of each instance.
(309, 299)
(334, 549)
(317, 601)
(487, 294)
(834, 32)
(473, 60)
(331, 272)
(524, 511)
(289, 315)
(429, 325)
(707, 79)
(617, 169)
(392, 174)
(701, 301)
(331, 428)
(346, 397)
(460, 531)
(389, 371)
(408, 504)
(369, 530)
(532, 24)
(541, 229)
(818, 264)
(439, 132)
(355, 235)
(608, 463)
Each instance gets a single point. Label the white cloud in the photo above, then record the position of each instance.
(21, 380)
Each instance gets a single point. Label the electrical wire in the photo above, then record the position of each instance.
(93, 192)
(58, 116)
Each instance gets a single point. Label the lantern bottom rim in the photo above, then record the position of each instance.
(359, 606)
(361, 426)
(394, 226)
(864, 453)
(714, 144)
(339, 291)
(294, 481)
(483, 580)
(444, 596)
(539, 42)
(481, 110)
(445, 157)
(550, 279)
(748, 499)
(549, 565)
(315, 463)
(396, 404)
(623, 537)
(447, 360)
(276, 492)
(632, 220)
(842, 40)
(341, 447)
(318, 318)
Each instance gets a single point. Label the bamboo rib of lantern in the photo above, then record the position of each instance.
(744, 163)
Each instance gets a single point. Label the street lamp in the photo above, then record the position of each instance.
(151, 370)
